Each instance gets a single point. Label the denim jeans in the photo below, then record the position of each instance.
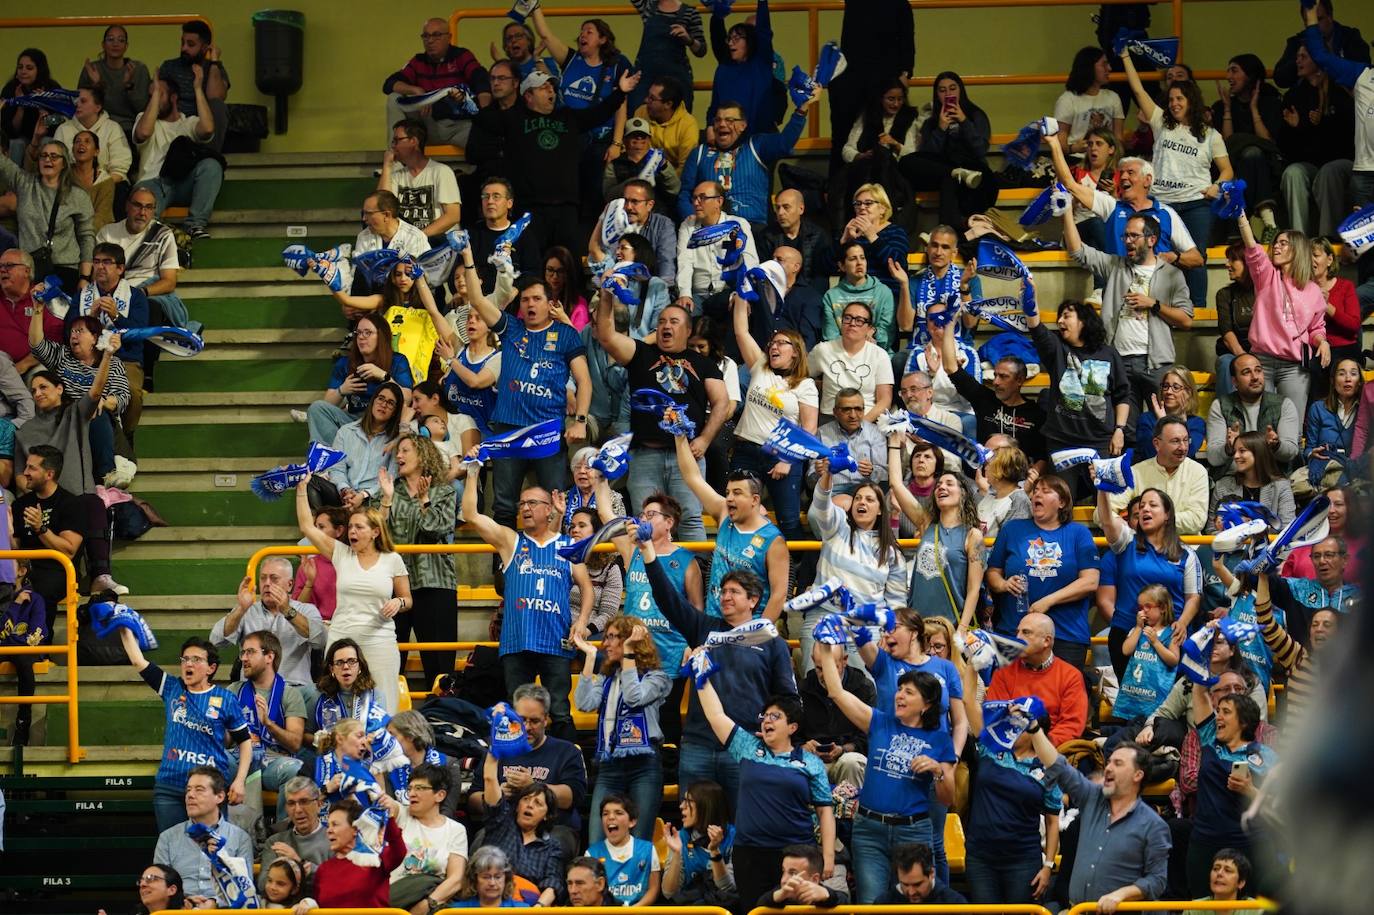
(324, 421)
(102, 439)
(1288, 379)
(198, 190)
(1326, 189)
(169, 805)
(1198, 218)
(554, 674)
(640, 778)
(655, 469)
(275, 772)
(1000, 879)
(698, 762)
(871, 851)
(938, 812)
(784, 494)
(508, 477)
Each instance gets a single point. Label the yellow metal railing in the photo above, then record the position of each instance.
(812, 10)
(49, 22)
(74, 751)
(1021, 908)
(1205, 905)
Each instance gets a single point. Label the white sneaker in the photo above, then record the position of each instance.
(968, 177)
(106, 582)
(122, 474)
(298, 416)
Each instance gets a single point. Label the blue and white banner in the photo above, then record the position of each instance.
(1002, 312)
(615, 222)
(502, 255)
(269, 486)
(578, 552)
(830, 630)
(233, 877)
(700, 667)
(1022, 151)
(967, 450)
(58, 101)
(721, 232)
(617, 282)
(1158, 53)
(175, 341)
(534, 441)
(456, 98)
(987, 650)
(1052, 201)
(613, 460)
(818, 595)
(1005, 720)
(106, 617)
(508, 735)
(1230, 202)
(672, 415)
(753, 634)
(1357, 231)
(790, 442)
(1308, 528)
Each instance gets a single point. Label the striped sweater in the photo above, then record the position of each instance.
(866, 576)
(1292, 657)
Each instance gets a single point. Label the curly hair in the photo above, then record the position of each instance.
(1094, 334)
(432, 463)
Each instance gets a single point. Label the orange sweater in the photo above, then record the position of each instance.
(1060, 686)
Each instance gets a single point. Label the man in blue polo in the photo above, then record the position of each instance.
(538, 354)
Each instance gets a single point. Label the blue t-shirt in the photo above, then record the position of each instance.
(195, 728)
(736, 549)
(1217, 820)
(538, 605)
(696, 860)
(627, 880)
(1147, 680)
(776, 793)
(890, 786)
(886, 670)
(1050, 560)
(1009, 797)
(1136, 569)
(584, 86)
(1252, 647)
(639, 603)
(354, 404)
(535, 365)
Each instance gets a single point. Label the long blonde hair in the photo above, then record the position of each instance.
(1300, 266)
(326, 741)
(382, 537)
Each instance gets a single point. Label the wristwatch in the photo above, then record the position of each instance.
(1154, 309)
(291, 613)
(579, 417)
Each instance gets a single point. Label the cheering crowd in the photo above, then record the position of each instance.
(631, 340)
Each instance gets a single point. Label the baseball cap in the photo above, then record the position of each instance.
(536, 79)
(637, 125)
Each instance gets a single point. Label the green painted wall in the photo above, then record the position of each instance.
(351, 46)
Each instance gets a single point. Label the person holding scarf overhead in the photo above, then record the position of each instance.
(275, 714)
(1010, 800)
(627, 695)
(908, 756)
(116, 305)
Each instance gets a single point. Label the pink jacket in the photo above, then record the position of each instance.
(1283, 323)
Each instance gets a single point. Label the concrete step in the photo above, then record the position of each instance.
(195, 542)
(256, 367)
(297, 307)
(239, 407)
(214, 440)
(202, 474)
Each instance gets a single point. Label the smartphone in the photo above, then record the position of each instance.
(1240, 768)
(950, 102)
(825, 747)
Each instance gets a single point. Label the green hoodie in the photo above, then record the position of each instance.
(873, 294)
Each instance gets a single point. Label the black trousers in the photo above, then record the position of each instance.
(931, 172)
(434, 618)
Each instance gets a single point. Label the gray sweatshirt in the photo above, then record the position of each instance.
(1166, 284)
(73, 236)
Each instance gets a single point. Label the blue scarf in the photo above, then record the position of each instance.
(533, 441)
(248, 700)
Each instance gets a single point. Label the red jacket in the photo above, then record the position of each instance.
(341, 884)
(1060, 686)
(1343, 327)
(15, 315)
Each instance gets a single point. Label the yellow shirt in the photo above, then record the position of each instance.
(677, 138)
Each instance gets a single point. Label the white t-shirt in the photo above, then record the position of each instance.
(1084, 112)
(622, 853)
(114, 155)
(760, 413)
(729, 372)
(1183, 163)
(144, 260)
(153, 150)
(423, 196)
(428, 847)
(838, 370)
(407, 240)
(361, 592)
(1133, 327)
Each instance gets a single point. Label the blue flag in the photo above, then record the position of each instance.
(175, 341)
(1357, 231)
(790, 442)
(533, 441)
(1022, 151)
(613, 460)
(1006, 720)
(617, 282)
(967, 450)
(107, 617)
(269, 486)
(1309, 527)
(58, 101)
(578, 552)
(1158, 53)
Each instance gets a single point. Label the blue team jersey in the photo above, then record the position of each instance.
(535, 365)
(1217, 819)
(1136, 569)
(738, 550)
(1124, 212)
(538, 613)
(196, 726)
(354, 404)
(776, 793)
(639, 603)
(1252, 647)
(1006, 805)
(1147, 680)
(584, 86)
(887, 669)
(1050, 560)
(627, 880)
(475, 402)
(890, 785)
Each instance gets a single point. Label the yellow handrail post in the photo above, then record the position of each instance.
(55, 22)
(74, 751)
(1162, 905)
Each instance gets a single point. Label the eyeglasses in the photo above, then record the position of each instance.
(651, 514)
(1281, 242)
(530, 503)
(556, 269)
(50, 157)
(386, 402)
(103, 262)
(698, 198)
(857, 320)
(771, 716)
(192, 660)
(493, 878)
(345, 662)
(1318, 557)
(142, 206)
(149, 878)
(496, 195)
(638, 201)
(864, 204)
(1172, 386)
(364, 332)
(429, 36)
(6, 267)
(249, 652)
(1131, 236)
(367, 213)
(395, 141)
(420, 786)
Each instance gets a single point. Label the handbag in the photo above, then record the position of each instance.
(42, 257)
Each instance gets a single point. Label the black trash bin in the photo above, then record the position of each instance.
(279, 43)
